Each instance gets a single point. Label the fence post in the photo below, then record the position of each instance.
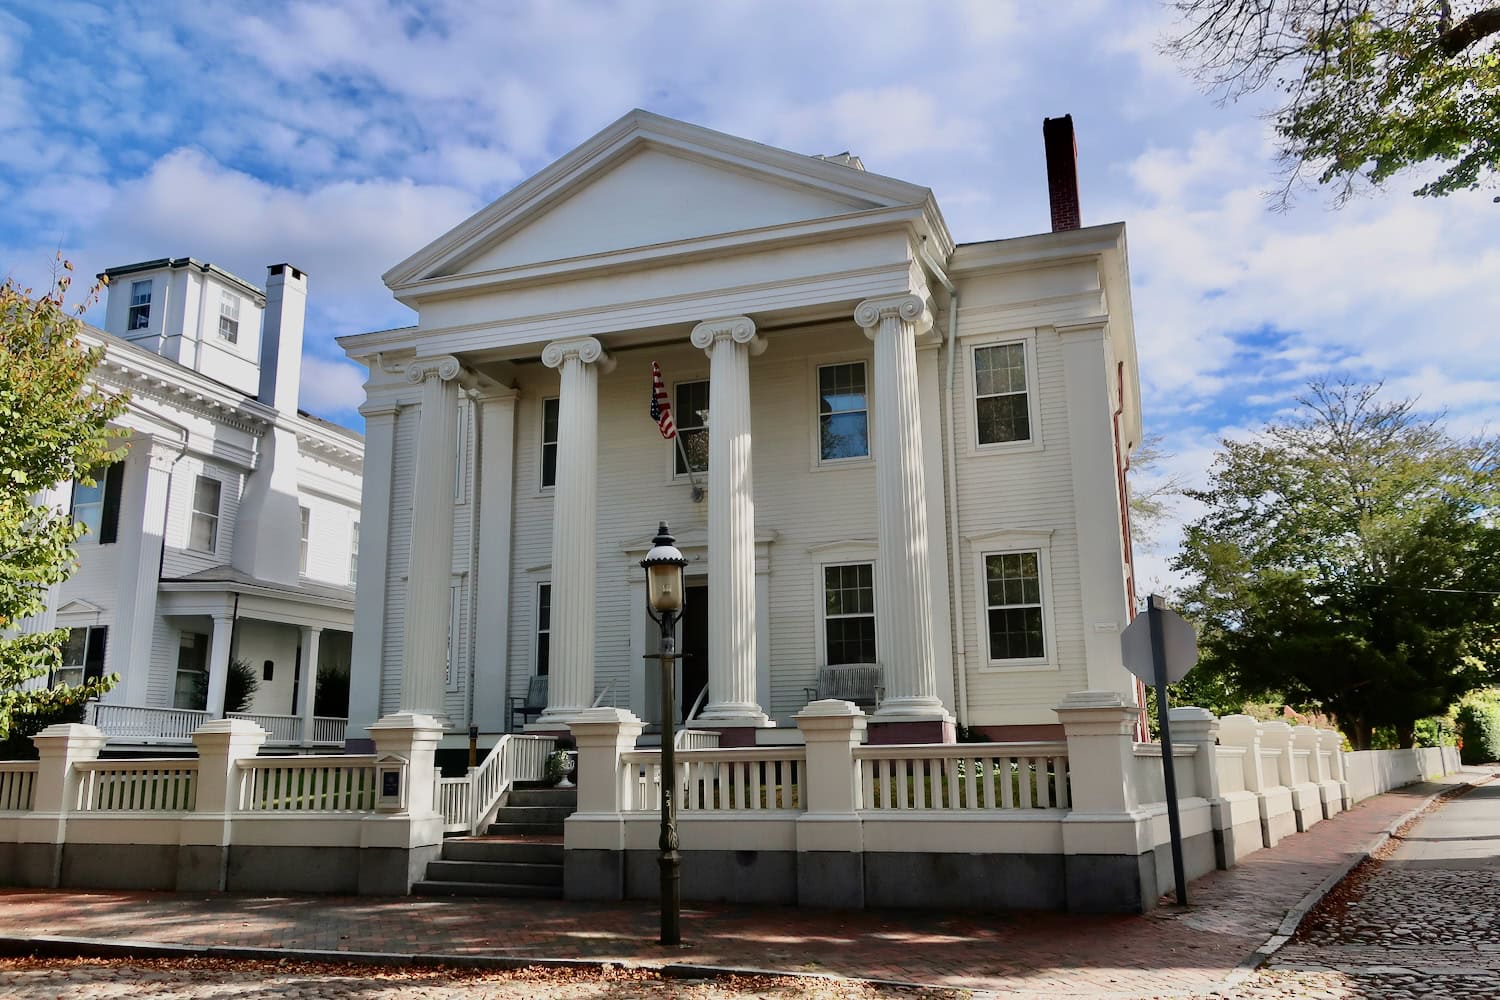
(1310, 740)
(830, 840)
(1305, 805)
(42, 834)
(396, 846)
(1333, 744)
(594, 855)
(208, 831)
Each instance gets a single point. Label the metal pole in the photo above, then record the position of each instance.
(671, 859)
(1168, 766)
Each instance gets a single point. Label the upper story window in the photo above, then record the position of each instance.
(691, 414)
(354, 554)
(203, 535)
(97, 507)
(302, 552)
(549, 443)
(82, 655)
(843, 412)
(1002, 410)
(139, 316)
(1013, 602)
(849, 613)
(229, 316)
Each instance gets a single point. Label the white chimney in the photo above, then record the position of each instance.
(281, 337)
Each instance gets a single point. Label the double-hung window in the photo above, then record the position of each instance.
(849, 613)
(97, 506)
(203, 535)
(1002, 409)
(190, 688)
(229, 316)
(691, 416)
(549, 443)
(1013, 606)
(302, 551)
(139, 316)
(354, 554)
(82, 655)
(843, 412)
(543, 627)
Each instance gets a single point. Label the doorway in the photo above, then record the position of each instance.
(694, 649)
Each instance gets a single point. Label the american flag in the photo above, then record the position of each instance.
(661, 407)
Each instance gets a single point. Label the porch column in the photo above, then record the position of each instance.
(912, 710)
(311, 637)
(430, 563)
(731, 524)
(218, 664)
(570, 687)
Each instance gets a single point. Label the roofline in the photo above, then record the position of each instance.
(175, 263)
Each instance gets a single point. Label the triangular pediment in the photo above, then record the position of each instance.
(78, 606)
(647, 181)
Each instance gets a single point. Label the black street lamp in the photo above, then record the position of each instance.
(665, 598)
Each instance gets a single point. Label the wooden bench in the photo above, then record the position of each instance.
(530, 706)
(861, 683)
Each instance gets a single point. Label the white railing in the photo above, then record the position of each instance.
(1230, 764)
(963, 777)
(1151, 781)
(150, 725)
(752, 779)
(137, 785)
(326, 784)
(469, 803)
(17, 785)
(696, 739)
(284, 730)
(328, 730)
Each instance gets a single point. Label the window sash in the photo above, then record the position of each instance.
(229, 316)
(302, 549)
(190, 683)
(843, 412)
(690, 401)
(354, 553)
(1002, 405)
(203, 533)
(849, 613)
(543, 629)
(1015, 620)
(549, 442)
(138, 317)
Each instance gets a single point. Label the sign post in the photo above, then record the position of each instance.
(1160, 648)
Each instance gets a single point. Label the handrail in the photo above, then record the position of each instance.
(598, 699)
(727, 754)
(697, 706)
(514, 757)
(1034, 748)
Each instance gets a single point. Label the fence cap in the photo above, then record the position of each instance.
(70, 734)
(238, 727)
(827, 707)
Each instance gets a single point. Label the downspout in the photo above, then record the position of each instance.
(955, 576)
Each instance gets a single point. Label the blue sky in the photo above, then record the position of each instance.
(342, 136)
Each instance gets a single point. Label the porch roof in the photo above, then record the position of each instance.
(303, 603)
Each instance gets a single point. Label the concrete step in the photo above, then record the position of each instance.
(504, 829)
(495, 872)
(436, 888)
(502, 851)
(553, 815)
(553, 797)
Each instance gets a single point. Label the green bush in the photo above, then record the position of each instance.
(24, 725)
(331, 696)
(1479, 728)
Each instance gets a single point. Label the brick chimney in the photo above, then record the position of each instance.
(1062, 172)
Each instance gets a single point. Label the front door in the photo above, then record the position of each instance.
(694, 649)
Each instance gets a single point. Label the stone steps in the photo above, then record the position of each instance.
(521, 856)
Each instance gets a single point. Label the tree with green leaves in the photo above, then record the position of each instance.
(1368, 88)
(1348, 560)
(56, 430)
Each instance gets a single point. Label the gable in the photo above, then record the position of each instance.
(651, 197)
(79, 607)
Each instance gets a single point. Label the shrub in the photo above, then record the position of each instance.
(1479, 728)
(331, 695)
(24, 725)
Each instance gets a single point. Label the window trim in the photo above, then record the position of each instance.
(194, 513)
(815, 443)
(823, 617)
(536, 627)
(131, 326)
(304, 552)
(1013, 542)
(353, 551)
(840, 553)
(89, 651)
(1028, 341)
(178, 672)
(542, 488)
(225, 298)
(673, 476)
(453, 668)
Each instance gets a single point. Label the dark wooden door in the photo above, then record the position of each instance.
(694, 648)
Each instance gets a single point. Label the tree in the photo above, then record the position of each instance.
(1371, 87)
(1349, 560)
(56, 429)
(1149, 504)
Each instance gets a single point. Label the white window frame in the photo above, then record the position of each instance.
(536, 627)
(1014, 542)
(1028, 341)
(824, 617)
(461, 440)
(305, 545)
(673, 476)
(840, 553)
(214, 516)
(354, 552)
(228, 299)
(815, 438)
(80, 668)
(452, 669)
(545, 489)
(130, 312)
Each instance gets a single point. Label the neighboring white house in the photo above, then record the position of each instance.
(230, 529)
(938, 434)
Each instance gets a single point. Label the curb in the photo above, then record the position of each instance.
(1252, 962)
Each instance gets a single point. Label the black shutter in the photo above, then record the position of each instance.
(93, 657)
(114, 485)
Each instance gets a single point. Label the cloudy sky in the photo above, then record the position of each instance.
(342, 136)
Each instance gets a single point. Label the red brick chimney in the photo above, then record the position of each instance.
(1062, 172)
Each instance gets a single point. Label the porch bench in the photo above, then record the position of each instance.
(861, 683)
(530, 706)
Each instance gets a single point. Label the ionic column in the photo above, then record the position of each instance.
(731, 524)
(430, 560)
(570, 688)
(903, 598)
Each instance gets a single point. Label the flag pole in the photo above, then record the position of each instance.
(688, 464)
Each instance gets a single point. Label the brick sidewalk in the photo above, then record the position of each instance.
(1165, 952)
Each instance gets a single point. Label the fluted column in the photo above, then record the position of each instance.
(903, 599)
(729, 344)
(430, 564)
(570, 687)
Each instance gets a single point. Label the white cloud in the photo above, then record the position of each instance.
(331, 386)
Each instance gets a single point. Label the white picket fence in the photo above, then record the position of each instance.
(720, 780)
(343, 784)
(168, 785)
(966, 777)
(17, 785)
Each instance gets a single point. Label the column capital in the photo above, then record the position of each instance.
(445, 367)
(738, 329)
(586, 349)
(910, 308)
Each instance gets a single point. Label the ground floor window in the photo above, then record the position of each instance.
(82, 655)
(543, 627)
(849, 613)
(191, 690)
(1013, 602)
